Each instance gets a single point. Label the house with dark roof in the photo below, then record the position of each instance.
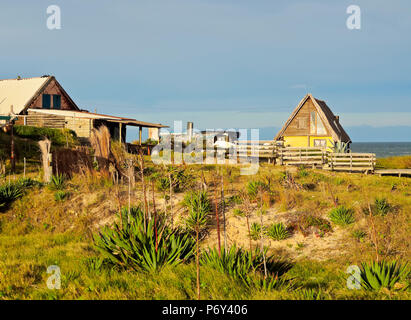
(43, 102)
(312, 124)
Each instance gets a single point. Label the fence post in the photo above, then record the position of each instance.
(350, 162)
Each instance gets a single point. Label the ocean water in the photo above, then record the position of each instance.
(383, 149)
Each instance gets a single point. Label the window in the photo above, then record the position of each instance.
(316, 124)
(320, 126)
(56, 101)
(320, 143)
(312, 123)
(46, 101)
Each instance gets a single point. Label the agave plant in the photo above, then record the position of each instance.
(254, 187)
(342, 216)
(57, 182)
(339, 147)
(144, 244)
(383, 274)
(277, 231)
(9, 193)
(240, 264)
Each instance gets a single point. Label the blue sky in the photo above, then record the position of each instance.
(219, 63)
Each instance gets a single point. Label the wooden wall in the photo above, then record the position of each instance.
(45, 120)
(300, 125)
(53, 88)
(81, 126)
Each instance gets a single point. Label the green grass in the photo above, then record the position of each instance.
(402, 162)
(34, 235)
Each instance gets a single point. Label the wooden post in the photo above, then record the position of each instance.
(120, 129)
(140, 131)
(12, 155)
(350, 162)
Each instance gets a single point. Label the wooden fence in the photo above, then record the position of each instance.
(364, 162)
(302, 156)
(352, 162)
(264, 148)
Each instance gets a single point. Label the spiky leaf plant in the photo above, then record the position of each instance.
(340, 147)
(9, 193)
(57, 182)
(255, 187)
(140, 243)
(240, 264)
(198, 206)
(255, 231)
(382, 206)
(278, 231)
(342, 216)
(383, 274)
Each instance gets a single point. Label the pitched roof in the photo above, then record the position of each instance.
(327, 116)
(18, 93)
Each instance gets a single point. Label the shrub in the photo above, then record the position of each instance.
(342, 216)
(235, 199)
(255, 231)
(238, 212)
(302, 172)
(60, 195)
(57, 136)
(278, 231)
(181, 180)
(306, 223)
(144, 244)
(359, 234)
(163, 184)
(382, 206)
(377, 275)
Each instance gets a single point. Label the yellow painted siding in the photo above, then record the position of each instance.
(295, 141)
(302, 141)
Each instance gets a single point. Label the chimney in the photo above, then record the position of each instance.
(337, 119)
(190, 126)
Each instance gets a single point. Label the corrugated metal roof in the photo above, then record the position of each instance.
(90, 115)
(18, 93)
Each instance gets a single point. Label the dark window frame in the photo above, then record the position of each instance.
(45, 105)
(59, 101)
